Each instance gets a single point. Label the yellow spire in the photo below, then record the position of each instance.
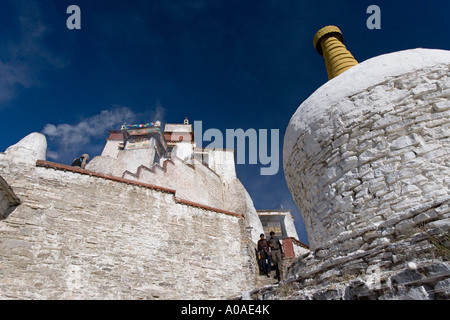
(329, 43)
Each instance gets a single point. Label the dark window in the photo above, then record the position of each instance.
(169, 152)
(273, 223)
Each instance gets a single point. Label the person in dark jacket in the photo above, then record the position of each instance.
(81, 161)
(277, 253)
(265, 254)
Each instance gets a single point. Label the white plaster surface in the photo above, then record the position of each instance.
(183, 150)
(111, 148)
(29, 149)
(370, 147)
(215, 185)
(357, 79)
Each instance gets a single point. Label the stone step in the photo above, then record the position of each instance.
(262, 280)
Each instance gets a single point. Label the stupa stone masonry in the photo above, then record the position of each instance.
(367, 160)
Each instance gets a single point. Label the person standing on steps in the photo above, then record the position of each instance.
(277, 254)
(265, 254)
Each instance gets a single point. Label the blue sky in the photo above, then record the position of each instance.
(230, 64)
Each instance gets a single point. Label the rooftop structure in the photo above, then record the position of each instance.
(143, 136)
(279, 221)
(282, 223)
(180, 140)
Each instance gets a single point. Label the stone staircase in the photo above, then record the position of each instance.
(156, 171)
(262, 280)
(192, 181)
(262, 284)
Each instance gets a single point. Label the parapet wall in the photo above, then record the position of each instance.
(214, 185)
(195, 181)
(78, 235)
(199, 183)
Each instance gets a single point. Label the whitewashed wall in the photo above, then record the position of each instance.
(371, 146)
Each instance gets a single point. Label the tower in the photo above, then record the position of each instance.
(180, 140)
(366, 160)
(368, 147)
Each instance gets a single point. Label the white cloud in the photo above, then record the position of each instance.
(73, 137)
(88, 135)
(52, 155)
(25, 55)
(158, 113)
(11, 76)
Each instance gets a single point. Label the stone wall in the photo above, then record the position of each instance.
(215, 185)
(78, 235)
(195, 182)
(126, 160)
